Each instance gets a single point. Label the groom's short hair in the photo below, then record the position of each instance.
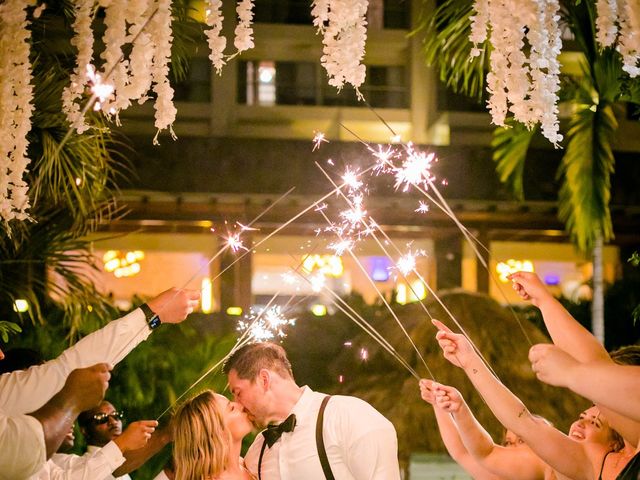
(250, 359)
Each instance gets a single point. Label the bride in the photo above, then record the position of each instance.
(208, 433)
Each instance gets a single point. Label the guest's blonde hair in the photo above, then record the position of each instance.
(201, 439)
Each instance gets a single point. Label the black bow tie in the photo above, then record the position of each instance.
(274, 432)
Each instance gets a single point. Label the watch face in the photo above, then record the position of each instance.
(154, 322)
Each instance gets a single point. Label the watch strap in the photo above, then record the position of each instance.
(153, 320)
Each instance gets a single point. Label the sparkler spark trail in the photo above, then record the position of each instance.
(266, 325)
(415, 170)
(317, 140)
(101, 90)
(407, 263)
(348, 310)
(422, 207)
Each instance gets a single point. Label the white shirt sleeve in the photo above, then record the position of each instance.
(22, 448)
(25, 391)
(90, 466)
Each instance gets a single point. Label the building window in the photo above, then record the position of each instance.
(268, 83)
(196, 86)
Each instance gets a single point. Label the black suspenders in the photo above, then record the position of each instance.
(322, 453)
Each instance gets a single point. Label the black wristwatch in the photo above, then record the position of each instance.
(153, 320)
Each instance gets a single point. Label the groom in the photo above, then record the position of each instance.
(309, 435)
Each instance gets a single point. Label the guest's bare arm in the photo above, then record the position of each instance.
(552, 446)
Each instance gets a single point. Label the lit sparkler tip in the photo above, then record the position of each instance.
(265, 325)
(350, 179)
(318, 139)
(407, 263)
(415, 170)
(396, 139)
(234, 243)
(422, 208)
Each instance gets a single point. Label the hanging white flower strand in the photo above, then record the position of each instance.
(244, 31)
(525, 86)
(142, 52)
(606, 28)
(629, 39)
(343, 25)
(160, 27)
(83, 41)
(16, 94)
(217, 42)
(115, 66)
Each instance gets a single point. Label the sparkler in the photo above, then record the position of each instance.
(318, 139)
(422, 207)
(100, 89)
(267, 325)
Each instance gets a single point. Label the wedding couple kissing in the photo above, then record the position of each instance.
(306, 434)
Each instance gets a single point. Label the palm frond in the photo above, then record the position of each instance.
(586, 171)
(510, 147)
(447, 47)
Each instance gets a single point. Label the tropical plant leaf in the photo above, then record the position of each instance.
(447, 47)
(8, 328)
(586, 171)
(510, 146)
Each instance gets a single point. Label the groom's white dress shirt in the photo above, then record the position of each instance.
(361, 444)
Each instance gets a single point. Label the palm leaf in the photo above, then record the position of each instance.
(447, 47)
(510, 147)
(586, 171)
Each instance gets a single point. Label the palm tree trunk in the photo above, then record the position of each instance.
(597, 306)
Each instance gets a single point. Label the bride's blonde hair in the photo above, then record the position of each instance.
(201, 439)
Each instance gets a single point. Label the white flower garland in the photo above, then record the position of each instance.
(629, 38)
(83, 41)
(16, 94)
(244, 31)
(344, 30)
(606, 28)
(162, 35)
(217, 42)
(525, 86)
(619, 20)
(115, 65)
(142, 52)
(479, 25)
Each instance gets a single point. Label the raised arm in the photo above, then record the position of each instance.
(552, 446)
(136, 457)
(451, 437)
(565, 331)
(615, 386)
(83, 389)
(509, 463)
(24, 391)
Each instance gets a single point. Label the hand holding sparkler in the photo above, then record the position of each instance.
(455, 346)
(529, 286)
(552, 365)
(173, 305)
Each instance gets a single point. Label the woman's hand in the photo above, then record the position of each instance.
(455, 347)
(529, 286)
(427, 390)
(448, 398)
(551, 364)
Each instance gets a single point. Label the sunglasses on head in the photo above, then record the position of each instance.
(102, 418)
